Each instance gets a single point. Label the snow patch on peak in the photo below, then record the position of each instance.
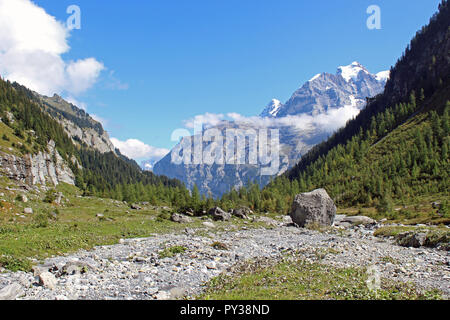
(315, 77)
(351, 71)
(272, 109)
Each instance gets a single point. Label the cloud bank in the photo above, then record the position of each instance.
(329, 121)
(136, 149)
(32, 43)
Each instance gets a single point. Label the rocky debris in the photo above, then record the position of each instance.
(412, 239)
(74, 267)
(48, 280)
(242, 212)
(28, 210)
(315, 207)
(11, 292)
(219, 215)
(134, 270)
(176, 217)
(135, 206)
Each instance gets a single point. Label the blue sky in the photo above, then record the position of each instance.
(166, 61)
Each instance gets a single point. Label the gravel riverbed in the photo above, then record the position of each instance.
(135, 269)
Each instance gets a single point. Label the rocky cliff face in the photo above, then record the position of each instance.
(302, 121)
(42, 168)
(78, 124)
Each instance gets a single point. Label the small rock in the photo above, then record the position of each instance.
(28, 211)
(47, 280)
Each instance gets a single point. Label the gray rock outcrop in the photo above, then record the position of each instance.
(41, 168)
(219, 215)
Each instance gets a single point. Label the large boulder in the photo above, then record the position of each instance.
(242, 212)
(219, 214)
(315, 207)
(176, 217)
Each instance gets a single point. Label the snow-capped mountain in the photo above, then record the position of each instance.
(303, 121)
(351, 85)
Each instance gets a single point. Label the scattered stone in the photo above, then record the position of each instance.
(28, 211)
(47, 280)
(315, 207)
(135, 206)
(176, 217)
(412, 239)
(219, 215)
(242, 212)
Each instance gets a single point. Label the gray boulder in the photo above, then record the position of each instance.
(242, 212)
(47, 280)
(218, 214)
(315, 207)
(176, 217)
(412, 239)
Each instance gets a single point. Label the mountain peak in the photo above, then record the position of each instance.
(272, 109)
(351, 71)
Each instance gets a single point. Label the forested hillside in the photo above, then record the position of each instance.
(396, 148)
(101, 174)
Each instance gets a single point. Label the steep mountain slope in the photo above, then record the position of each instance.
(36, 149)
(79, 125)
(397, 147)
(326, 93)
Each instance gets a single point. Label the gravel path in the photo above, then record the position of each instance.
(133, 269)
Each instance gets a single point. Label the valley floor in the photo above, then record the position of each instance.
(178, 265)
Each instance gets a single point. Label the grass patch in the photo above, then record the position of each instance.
(294, 279)
(171, 252)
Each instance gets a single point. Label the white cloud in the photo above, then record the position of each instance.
(207, 119)
(31, 46)
(329, 121)
(136, 149)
